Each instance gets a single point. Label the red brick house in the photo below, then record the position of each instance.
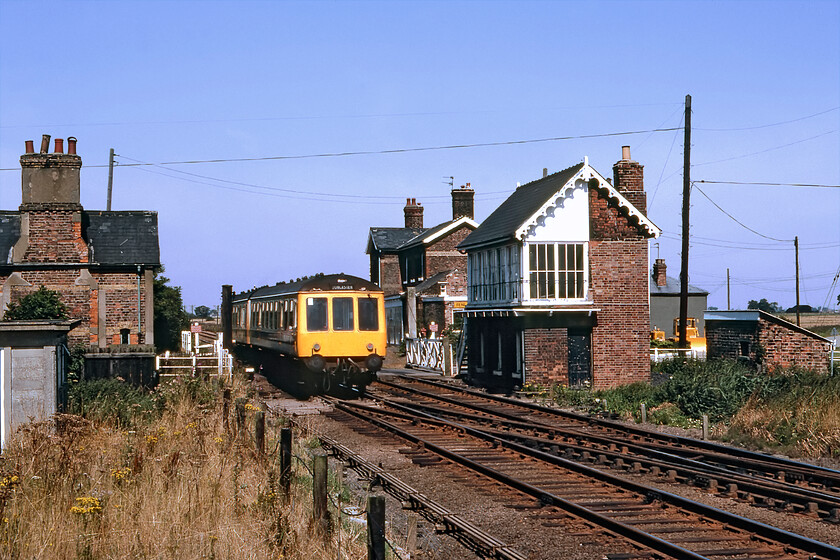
(764, 340)
(102, 263)
(421, 270)
(558, 282)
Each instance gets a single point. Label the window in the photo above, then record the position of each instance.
(368, 314)
(125, 336)
(316, 314)
(745, 348)
(557, 270)
(342, 314)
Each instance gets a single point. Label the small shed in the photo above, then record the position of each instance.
(764, 340)
(33, 371)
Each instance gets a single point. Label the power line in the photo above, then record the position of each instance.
(765, 151)
(394, 151)
(768, 125)
(734, 219)
(768, 184)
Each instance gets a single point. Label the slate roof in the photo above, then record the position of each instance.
(117, 238)
(429, 282)
(502, 224)
(417, 240)
(672, 288)
(389, 239)
(9, 233)
(123, 237)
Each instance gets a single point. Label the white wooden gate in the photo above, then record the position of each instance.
(431, 354)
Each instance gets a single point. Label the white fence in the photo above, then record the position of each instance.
(662, 354)
(431, 354)
(209, 357)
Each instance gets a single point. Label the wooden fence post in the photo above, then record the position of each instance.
(411, 535)
(705, 426)
(240, 417)
(285, 461)
(320, 513)
(644, 413)
(376, 527)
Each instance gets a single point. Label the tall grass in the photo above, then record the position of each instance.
(164, 481)
(794, 410)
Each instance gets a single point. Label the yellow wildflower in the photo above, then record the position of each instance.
(249, 406)
(86, 505)
(151, 439)
(192, 425)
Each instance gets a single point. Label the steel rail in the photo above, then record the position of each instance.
(690, 469)
(755, 458)
(778, 535)
(465, 532)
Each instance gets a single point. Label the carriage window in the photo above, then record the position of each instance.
(368, 314)
(342, 314)
(316, 314)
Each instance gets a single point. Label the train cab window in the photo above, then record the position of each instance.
(342, 312)
(316, 314)
(368, 314)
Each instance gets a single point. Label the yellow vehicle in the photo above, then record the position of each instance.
(333, 326)
(692, 333)
(657, 334)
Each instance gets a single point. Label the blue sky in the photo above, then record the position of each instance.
(184, 81)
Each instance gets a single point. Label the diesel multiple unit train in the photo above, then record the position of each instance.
(322, 332)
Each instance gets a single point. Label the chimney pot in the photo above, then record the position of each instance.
(625, 153)
(30, 146)
(71, 145)
(45, 143)
(545, 172)
(468, 185)
(659, 275)
(59, 145)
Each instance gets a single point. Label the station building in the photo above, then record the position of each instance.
(558, 283)
(102, 263)
(421, 270)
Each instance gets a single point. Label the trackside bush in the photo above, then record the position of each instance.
(114, 402)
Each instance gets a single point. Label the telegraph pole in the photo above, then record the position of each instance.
(796, 247)
(110, 178)
(683, 339)
(728, 305)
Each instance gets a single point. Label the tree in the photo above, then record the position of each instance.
(764, 305)
(40, 304)
(170, 317)
(202, 312)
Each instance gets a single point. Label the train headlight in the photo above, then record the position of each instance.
(370, 347)
(316, 347)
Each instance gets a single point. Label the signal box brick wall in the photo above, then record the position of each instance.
(547, 356)
(769, 342)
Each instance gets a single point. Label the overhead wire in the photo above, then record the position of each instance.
(737, 221)
(768, 125)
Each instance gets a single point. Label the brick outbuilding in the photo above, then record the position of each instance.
(558, 282)
(102, 263)
(764, 340)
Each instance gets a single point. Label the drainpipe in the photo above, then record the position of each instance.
(139, 308)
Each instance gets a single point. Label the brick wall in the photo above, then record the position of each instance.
(389, 270)
(442, 255)
(781, 345)
(547, 356)
(55, 234)
(118, 289)
(620, 340)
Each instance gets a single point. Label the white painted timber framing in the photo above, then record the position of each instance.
(451, 227)
(565, 220)
(558, 202)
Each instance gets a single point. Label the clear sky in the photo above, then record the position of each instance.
(184, 81)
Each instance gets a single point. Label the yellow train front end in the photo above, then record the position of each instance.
(341, 332)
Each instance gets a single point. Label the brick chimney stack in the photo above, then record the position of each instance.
(659, 268)
(463, 202)
(628, 179)
(51, 209)
(413, 214)
(50, 178)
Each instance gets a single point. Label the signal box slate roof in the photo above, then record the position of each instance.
(116, 238)
(502, 225)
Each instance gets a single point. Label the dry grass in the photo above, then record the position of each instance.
(178, 487)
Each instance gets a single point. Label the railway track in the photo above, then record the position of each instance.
(662, 523)
(760, 479)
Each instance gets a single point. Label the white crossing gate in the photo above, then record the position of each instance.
(203, 353)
